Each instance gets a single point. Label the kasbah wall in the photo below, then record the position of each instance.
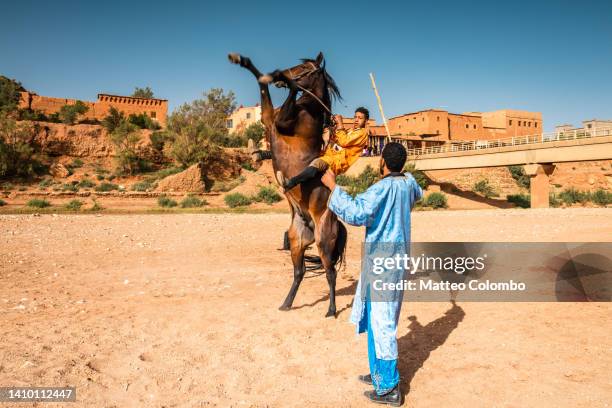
(155, 108)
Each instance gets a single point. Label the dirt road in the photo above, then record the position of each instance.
(181, 310)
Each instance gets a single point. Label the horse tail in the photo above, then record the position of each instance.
(340, 248)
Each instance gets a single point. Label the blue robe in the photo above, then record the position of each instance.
(384, 209)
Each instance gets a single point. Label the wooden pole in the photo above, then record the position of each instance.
(382, 113)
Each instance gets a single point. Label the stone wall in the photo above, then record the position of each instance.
(155, 108)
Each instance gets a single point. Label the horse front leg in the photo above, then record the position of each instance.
(267, 109)
(287, 116)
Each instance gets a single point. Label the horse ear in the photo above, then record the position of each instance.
(320, 58)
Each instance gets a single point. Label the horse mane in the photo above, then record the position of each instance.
(330, 84)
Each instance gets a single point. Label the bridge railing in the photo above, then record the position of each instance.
(541, 138)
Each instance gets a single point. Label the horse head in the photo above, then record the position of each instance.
(311, 75)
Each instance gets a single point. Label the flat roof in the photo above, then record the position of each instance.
(131, 97)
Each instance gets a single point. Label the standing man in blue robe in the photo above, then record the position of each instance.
(384, 209)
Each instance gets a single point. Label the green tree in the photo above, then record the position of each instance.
(9, 94)
(113, 120)
(198, 127)
(69, 113)
(255, 131)
(143, 93)
(126, 138)
(143, 121)
(16, 152)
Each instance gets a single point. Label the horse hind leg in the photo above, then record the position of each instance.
(300, 237)
(326, 236)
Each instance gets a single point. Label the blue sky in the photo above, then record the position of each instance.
(553, 57)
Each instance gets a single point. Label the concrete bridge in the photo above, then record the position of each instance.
(536, 153)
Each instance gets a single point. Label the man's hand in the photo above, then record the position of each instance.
(329, 179)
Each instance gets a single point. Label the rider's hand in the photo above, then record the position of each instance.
(338, 120)
(329, 179)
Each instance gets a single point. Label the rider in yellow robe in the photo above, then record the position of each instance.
(338, 156)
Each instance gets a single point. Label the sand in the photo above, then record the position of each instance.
(180, 310)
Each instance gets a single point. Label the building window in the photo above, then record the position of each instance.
(510, 122)
(153, 114)
(437, 118)
(474, 126)
(230, 124)
(248, 115)
(589, 126)
(535, 124)
(467, 126)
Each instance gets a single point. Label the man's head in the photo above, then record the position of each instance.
(393, 157)
(361, 117)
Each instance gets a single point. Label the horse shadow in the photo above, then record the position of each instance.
(416, 346)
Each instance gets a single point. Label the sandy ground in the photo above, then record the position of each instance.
(181, 310)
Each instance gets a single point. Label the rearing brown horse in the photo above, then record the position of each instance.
(295, 133)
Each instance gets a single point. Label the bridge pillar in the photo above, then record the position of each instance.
(540, 184)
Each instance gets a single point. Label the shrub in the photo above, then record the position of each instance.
(236, 200)
(518, 174)
(2, 203)
(96, 206)
(142, 185)
(69, 113)
(126, 138)
(86, 183)
(192, 201)
(247, 166)
(160, 174)
(571, 195)
(268, 195)
(165, 201)
(7, 186)
(100, 177)
(602, 197)
(158, 140)
(9, 94)
(70, 187)
(418, 175)
(359, 184)
(435, 200)
(223, 186)
(483, 187)
(106, 187)
(74, 205)
(16, 155)
(38, 203)
(76, 163)
(113, 120)
(46, 182)
(520, 200)
(554, 200)
(143, 121)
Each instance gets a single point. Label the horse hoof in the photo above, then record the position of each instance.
(234, 58)
(330, 314)
(265, 79)
(284, 308)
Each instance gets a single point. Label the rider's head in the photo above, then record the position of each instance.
(393, 157)
(361, 117)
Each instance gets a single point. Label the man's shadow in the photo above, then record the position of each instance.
(416, 346)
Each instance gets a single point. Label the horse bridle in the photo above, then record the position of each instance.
(313, 68)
